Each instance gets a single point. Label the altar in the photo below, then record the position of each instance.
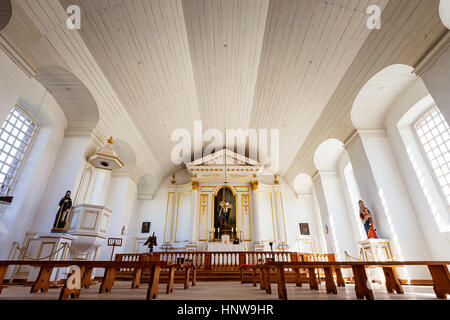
(225, 247)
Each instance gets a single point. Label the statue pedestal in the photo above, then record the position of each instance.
(377, 250)
(52, 247)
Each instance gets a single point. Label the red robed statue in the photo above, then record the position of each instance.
(367, 221)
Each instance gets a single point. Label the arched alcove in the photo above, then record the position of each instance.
(5, 13)
(444, 12)
(126, 154)
(303, 184)
(73, 96)
(328, 154)
(376, 97)
(147, 186)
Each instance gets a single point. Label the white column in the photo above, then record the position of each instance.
(333, 209)
(256, 220)
(384, 193)
(98, 193)
(67, 171)
(194, 215)
(280, 214)
(121, 199)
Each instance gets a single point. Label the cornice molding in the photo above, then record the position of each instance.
(79, 133)
(328, 174)
(8, 48)
(432, 56)
(372, 133)
(315, 177)
(352, 140)
(145, 196)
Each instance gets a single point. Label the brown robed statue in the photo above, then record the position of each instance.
(151, 241)
(60, 220)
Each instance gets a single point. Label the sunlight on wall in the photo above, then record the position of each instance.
(353, 191)
(419, 173)
(336, 245)
(392, 231)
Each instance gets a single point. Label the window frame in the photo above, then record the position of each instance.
(425, 156)
(16, 176)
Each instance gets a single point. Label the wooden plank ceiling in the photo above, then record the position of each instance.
(293, 65)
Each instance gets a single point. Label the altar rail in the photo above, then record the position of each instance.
(223, 261)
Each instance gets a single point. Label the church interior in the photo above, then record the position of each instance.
(224, 149)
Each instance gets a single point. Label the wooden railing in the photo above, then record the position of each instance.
(224, 261)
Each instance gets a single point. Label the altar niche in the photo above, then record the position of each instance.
(225, 214)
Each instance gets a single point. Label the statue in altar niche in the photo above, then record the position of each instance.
(366, 219)
(225, 213)
(61, 217)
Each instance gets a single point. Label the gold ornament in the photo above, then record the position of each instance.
(276, 179)
(254, 185)
(195, 185)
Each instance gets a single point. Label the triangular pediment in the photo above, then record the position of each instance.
(213, 166)
(218, 158)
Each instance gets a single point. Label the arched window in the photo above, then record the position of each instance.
(16, 137)
(434, 135)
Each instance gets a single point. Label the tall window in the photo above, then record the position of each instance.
(16, 137)
(434, 134)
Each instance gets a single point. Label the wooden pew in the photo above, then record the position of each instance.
(438, 270)
(42, 282)
(247, 267)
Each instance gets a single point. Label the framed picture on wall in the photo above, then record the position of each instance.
(304, 229)
(146, 227)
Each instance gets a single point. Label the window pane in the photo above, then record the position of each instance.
(434, 134)
(15, 137)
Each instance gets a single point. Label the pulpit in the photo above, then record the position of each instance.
(90, 224)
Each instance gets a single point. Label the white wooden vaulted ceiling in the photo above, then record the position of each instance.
(157, 65)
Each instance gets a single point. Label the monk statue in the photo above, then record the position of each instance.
(366, 219)
(61, 217)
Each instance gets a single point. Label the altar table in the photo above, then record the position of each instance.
(221, 247)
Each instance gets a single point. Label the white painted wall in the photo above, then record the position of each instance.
(65, 175)
(17, 87)
(321, 203)
(352, 204)
(300, 209)
(296, 210)
(121, 199)
(431, 210)
(153, 211)
(387, 195)
(338, 215)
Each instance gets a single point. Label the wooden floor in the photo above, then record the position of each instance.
(219, 291)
